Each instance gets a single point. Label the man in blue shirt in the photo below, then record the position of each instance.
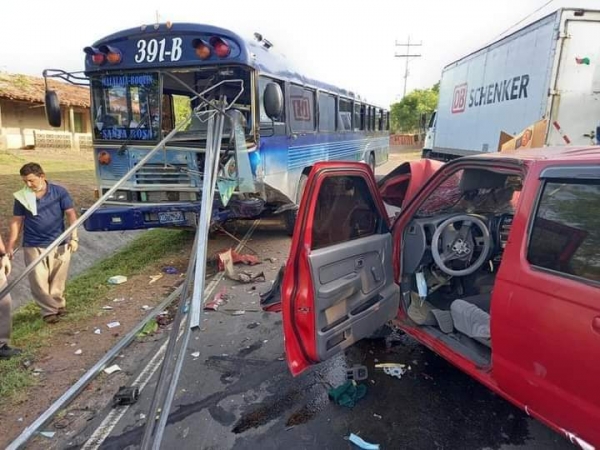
(40, 209)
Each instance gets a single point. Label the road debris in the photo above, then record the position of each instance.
(393, 369)
(223, 257)
(218, 300)
(270, 301)
(361, 443)
(107, 308)
(150, 328)
(112, 369)
(146, 308)
(113, 324)
(78, 352)
(126, 396)
(238, 312)
(97, 331)
(271, 259)
(377, 416)
(196, 355)
(117, 279)
(358, 373)
(228, 258)
(48, 434)
(348, 393)
(120, 299)
(247, 277)
(155, 278)
(170, 270)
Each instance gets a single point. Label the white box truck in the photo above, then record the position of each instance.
(549, 69)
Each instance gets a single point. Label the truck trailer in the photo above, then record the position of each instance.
(547, 72)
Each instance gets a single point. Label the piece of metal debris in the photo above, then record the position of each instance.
(126, 396)
(113, 324)
(112, 369)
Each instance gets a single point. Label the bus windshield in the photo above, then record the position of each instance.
(126, 107)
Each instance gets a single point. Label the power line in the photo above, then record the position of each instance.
(407, 56)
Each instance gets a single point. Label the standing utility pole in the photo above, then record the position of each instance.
(407, 55)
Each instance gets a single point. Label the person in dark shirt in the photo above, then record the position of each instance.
(40, 209)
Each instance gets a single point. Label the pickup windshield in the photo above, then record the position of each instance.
(126, 107)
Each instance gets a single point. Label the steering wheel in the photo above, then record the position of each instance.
(450, 243)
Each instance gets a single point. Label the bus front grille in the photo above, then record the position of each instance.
(163, 174)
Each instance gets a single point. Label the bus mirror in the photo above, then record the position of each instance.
(423, 120)
(273, 101)
(52, 105)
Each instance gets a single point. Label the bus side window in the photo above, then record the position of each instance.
(326, 112)
(356, 116)
(363, 117)
(344, 115)
(302, 109)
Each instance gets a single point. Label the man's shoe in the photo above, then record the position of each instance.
(7, 352)
(51, 319)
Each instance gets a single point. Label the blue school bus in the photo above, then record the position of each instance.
(143, 83)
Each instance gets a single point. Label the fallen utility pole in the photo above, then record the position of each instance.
(173, 361)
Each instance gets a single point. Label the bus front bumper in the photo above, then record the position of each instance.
(120, 218)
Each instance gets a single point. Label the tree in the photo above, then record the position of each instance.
(406, 114)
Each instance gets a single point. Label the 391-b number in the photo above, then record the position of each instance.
(149, 51)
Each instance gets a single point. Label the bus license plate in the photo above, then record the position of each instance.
(171, 217)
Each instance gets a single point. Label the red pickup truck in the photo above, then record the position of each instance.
(493, 262)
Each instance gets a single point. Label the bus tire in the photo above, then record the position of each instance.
(372, 163)
(290, 217)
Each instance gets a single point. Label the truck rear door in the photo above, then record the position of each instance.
(576, 107)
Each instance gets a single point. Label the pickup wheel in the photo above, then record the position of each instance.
(290, 217)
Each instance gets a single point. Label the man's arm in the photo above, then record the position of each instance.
(15, 228)
(71, 219)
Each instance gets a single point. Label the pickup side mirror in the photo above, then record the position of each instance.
(52, 106)
(273, 101)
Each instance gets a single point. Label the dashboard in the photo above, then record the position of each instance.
(416, 246)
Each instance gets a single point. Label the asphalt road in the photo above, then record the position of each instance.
(236, 391)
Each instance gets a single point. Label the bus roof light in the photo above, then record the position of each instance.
(202, 49)
(96, 55)
(221, 47)
(113, 54)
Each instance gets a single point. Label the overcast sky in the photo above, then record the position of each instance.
(349, 43)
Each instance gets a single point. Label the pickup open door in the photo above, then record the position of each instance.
(338, 285)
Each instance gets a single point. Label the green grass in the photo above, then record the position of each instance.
(84, 294)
